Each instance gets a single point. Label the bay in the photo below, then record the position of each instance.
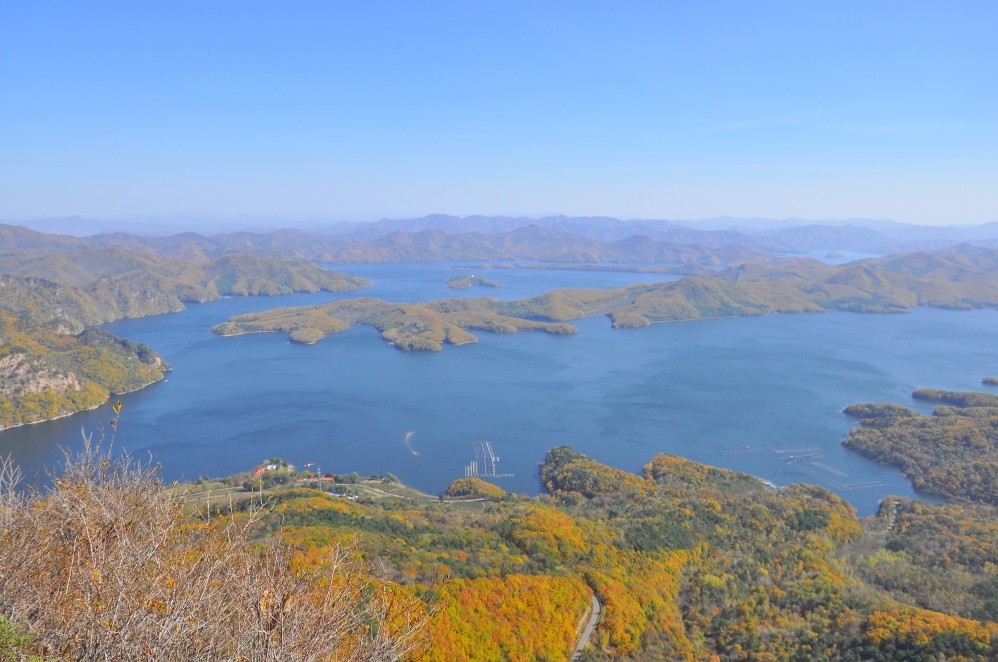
(747, 394)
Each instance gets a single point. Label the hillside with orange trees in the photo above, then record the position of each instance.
(689, 562)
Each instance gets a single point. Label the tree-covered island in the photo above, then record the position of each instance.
(963, 278)
(469, 281)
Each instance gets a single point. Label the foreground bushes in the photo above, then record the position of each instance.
(110, 564)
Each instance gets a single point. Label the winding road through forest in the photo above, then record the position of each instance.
(595, 612)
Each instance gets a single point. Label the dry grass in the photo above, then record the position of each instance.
(109, 564)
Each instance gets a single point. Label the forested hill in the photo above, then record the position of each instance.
(940, 556)
(82, 288)
(45, 374)
(953, 453)
(688, 562)
(963, 278)
(50, 365)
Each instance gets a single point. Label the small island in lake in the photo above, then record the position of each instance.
(990, 381)
(467, 282)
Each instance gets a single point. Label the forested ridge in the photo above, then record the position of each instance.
(88, 287)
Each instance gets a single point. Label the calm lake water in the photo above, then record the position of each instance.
(735, 393)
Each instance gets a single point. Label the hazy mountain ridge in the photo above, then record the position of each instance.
(767, 235)
(531, 242)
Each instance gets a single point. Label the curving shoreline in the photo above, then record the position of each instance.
(85, 409)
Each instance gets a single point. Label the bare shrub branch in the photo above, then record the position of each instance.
(108, 563)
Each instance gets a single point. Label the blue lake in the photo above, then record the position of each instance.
(735, 393)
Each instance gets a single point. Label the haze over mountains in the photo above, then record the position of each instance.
(552, 238)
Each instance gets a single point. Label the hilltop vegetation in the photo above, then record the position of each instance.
(110, 564)
(965, 278)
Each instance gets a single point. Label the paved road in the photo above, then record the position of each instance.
(595, 612)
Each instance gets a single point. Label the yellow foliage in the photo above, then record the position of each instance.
(517, 618)
(908, 625)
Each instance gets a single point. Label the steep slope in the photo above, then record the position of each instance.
(44, 374)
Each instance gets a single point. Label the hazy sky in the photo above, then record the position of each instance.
(362, 109)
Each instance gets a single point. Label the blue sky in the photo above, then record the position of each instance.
(353, 110)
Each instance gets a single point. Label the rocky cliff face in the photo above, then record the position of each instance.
(20, 375)
(45, 374)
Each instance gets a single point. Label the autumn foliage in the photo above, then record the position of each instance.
(517, 618)
(689, 562)
(108, 563)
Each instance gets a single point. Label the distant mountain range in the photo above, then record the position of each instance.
(554, 238)
(440, 237)
(530, 242)
(769, 235)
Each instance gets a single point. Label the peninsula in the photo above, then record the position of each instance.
(953, 453)
(55, 290)
(963, 277)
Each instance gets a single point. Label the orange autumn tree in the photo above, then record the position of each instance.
(911, 633)
(517, 618)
